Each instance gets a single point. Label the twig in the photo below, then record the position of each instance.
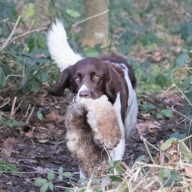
(126, 167)
(180, 113)
(30, 115)
(64, 187)
(35, 30)
(31, 25)
(174, 84)
(168, 89)
(27, 110)
(144, 140)
(18, 107)
(5, 103)
(186, 138)
(13, 31)
(186, 12)
(89, 182)
(13, 106)
(12, 75)
(88, 18)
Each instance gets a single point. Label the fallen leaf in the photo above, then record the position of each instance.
(173, 152)
(29, 133)
(53, 116)
(188, 171)
(41, 170)
(146, 115)
(8, 146)
(148, 125)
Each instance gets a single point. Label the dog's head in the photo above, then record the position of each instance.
(89, 78)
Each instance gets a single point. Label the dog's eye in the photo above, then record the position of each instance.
(96, 76)
(76, 78)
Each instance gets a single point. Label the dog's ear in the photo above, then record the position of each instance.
(115, 83)
(59, 87)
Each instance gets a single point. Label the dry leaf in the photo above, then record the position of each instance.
(174, 153)
(188, 171)
(146, 115)
(41, 170)
(53, 116)
(8, 146)
(148, 125)
(157, 56)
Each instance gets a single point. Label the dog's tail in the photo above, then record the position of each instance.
(59, 48)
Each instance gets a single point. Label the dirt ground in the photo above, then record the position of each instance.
(40, 145)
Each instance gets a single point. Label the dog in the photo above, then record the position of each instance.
(93, 77)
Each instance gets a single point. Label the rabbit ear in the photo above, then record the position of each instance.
(59, 87)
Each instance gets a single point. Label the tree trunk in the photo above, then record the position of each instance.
(96, 29)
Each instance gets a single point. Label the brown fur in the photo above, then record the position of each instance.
(92, 128)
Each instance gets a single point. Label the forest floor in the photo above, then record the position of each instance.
(40, 145)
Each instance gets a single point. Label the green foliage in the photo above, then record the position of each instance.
(50, 176)
(189, 39)
(164, 173)
(148, 38)
(174, 178)
(116, 163)
(7, 10)
(2, 78)
(29, 10)
(141, 158)
(11, 122)
(185, 151)
(123, 188)
(168, 143)
(45, 184)
(1, 117)
(147, 108)
(40, 182)
(39, 115)
(159, 116)
(167, 112)
(6, 167)
(116, 178)
(177, 135)
(182, 59)
(48, 183)
(72, 13)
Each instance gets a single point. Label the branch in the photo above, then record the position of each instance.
(88, 18)
(13, 31)
(28, 32)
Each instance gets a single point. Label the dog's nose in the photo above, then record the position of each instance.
(85, 94)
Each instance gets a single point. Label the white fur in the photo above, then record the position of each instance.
(82, 88)
(118, 152)
(81, 175)
(132, 110)
(59, 48)
(131, 117)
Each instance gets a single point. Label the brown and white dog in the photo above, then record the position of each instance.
(93, 77)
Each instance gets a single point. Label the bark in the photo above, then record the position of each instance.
(96, 29)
